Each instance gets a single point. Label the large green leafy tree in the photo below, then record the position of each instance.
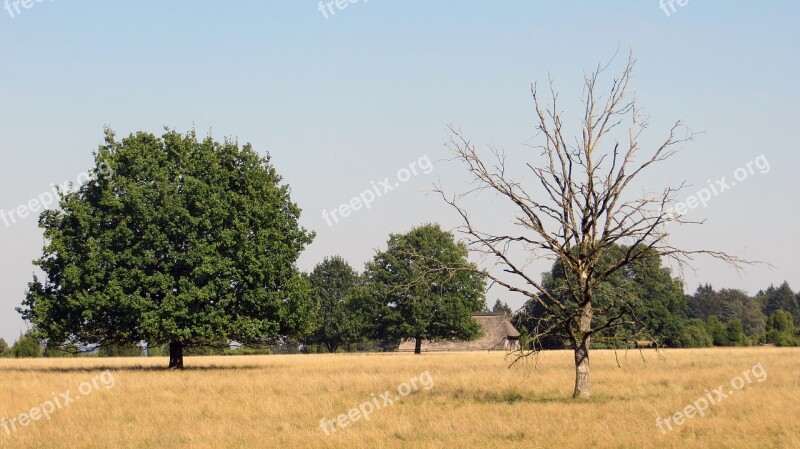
(427, 288)
(334, 281)
(175, 241)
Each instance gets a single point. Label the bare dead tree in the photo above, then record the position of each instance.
(582, 209)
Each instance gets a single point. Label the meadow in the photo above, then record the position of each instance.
(462, 400)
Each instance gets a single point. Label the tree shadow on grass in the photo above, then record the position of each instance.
(136, 368)
(514, 396)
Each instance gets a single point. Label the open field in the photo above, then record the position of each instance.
(476, 401)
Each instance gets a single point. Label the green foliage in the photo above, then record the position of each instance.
(735, 334)
(501, 307)
(154, 350)
(694, 334)
(728, 305)
(781, 329)
(174, 240)
(704, 303)
(334, 281)
(120, 350)
(730, 334)
(717, 330)
(27, 346)
(425, 286)
(250, 350)
(4, 349)
(781, 298)
(644, 296)
(54, 350)
(748, 310)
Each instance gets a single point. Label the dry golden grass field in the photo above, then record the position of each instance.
(475, 401)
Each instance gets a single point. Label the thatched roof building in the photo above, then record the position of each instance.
(498, 335)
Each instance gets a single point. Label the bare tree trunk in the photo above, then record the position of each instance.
(582, 386)
(418, 346)
(582, 344)
(588, 208)
(176, 355)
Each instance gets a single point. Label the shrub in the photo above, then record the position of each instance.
(26, 347)
(695, 335)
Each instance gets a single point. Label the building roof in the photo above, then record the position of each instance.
(497, 331)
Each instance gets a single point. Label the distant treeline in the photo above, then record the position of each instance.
(710, 317)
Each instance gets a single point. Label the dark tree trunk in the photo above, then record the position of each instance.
(176, 355)
(418, 346)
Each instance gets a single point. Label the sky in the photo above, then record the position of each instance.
(344, 98)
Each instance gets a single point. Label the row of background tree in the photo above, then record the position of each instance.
(421, 287)
(663, 315)
(354, 317)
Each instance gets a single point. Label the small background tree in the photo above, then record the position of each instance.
(781, 298)
(781, 329)
(333, 281)
(27, 346)
(501, 307)
(4, 349)
(426, 287)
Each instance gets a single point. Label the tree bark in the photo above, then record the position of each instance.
(418, 346)
(582, 343)
(582, 386)
(176, 355)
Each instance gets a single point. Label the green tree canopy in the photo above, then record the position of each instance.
(781, 329)
(718, 331)
(649, 301)
(4, 350)
(695, 334)
(735, 333)
(55, 350)
(426, 287)
(333, 281)
(704, 303)
(175, 240)
(501, 307)
(781, 298)
(739, 305)
(26, 346)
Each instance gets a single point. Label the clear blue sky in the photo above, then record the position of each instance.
(343, 101)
